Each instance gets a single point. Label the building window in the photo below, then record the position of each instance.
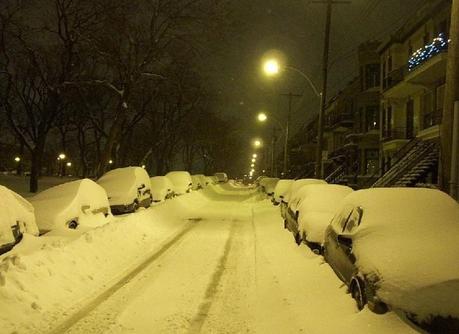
(372, 118)
(372, 75)
(371, 161)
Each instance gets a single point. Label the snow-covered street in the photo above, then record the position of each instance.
(214, 261)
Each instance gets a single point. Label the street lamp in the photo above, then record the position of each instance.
(273, 67)
(253, 159)
(69, 164)
(257, 143)
(61, 156)
(252, 165)
(17, 159)
(254, 155)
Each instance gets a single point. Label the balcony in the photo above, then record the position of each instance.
(396, 86)
(428, 64)
(394, 134)
(431, 119)
(339, 122)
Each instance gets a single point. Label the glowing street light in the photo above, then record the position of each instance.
(17, 159)
(254, 155)
(257, 143)
(110, 162)
(253, 160)
(271, 67)
(69, 164)
(61, 156)
(252, 165)
(262, 117)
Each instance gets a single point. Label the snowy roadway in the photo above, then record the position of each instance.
(228, 267)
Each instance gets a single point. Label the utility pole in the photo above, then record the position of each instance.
(451, 96)
(287, 129)
(323, 97)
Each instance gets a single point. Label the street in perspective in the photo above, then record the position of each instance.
(202, 166)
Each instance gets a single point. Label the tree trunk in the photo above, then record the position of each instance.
(37, 156)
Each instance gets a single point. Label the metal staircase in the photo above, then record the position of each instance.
(336, 176)
(414, 161)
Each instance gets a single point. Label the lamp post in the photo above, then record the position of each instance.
(273, 67)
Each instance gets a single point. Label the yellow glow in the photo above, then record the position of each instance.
(262, 117)
(62, 156)
(254, 155)
(17, 159)
(271, 67)
(257, 143)
(110, 161)
(69, 164)
(253, 160)
(252, 165)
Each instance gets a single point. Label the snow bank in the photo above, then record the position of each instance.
(316, 210)
(82, 201)
(45, 277)
(121, 184)
(408, 238)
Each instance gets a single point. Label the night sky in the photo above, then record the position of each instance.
(295, 28)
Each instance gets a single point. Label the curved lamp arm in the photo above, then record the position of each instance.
(314, 88)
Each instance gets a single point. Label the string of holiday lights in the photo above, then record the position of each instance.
(439, 44)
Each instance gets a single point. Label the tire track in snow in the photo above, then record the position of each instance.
(83, 312)
(198, 321)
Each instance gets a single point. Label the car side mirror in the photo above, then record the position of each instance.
(345, 240)
(85, 208)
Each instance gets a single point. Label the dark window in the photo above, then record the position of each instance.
(372, 75)
(372, 118)
(354, 220)
(371, 161)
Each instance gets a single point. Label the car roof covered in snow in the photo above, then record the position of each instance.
(281, 188)
(297, 184)
(161, 182)
(322, 197)
(123, 182)
(179, 177)
(57, 205)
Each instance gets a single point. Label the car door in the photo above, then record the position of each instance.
(344, 240)
(333, 253)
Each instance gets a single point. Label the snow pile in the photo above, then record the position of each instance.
(161, 188)
(121, 184)
(45, 277)
(319, 204)
(15, 210)
(281, 188)
(82, 201)
(408, 238)
(181, 180)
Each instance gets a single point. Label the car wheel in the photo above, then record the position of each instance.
(358, 293)
(73, 225)
(298, 239)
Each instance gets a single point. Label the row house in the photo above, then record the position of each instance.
(413, 67)
(352, 125)
(302, 150)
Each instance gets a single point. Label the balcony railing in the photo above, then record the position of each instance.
(394, 133)
(431, 119)
(438, 45)
(394, 77)
(344, 119)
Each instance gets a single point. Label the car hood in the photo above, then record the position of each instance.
(411, 266)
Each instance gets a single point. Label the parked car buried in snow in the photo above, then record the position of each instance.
(127, 188)
(182, 182)
(199, 181)
(69, 205)
(279, 191)
(221, 177)
(290, 195)
(16, 218)
(161, 188)
(399, 248)
(268, 184)
(319, 204)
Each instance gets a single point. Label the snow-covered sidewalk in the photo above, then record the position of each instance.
(214, 261)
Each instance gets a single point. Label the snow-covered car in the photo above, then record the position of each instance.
(268, 184)
(316, 210)
(199, 181)
(161, 188)
(279, 191)
(182, 182)
(70, 205)
(290, 193)
(127, 188)
(221, 177)
(16, 218)
(398, 248)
